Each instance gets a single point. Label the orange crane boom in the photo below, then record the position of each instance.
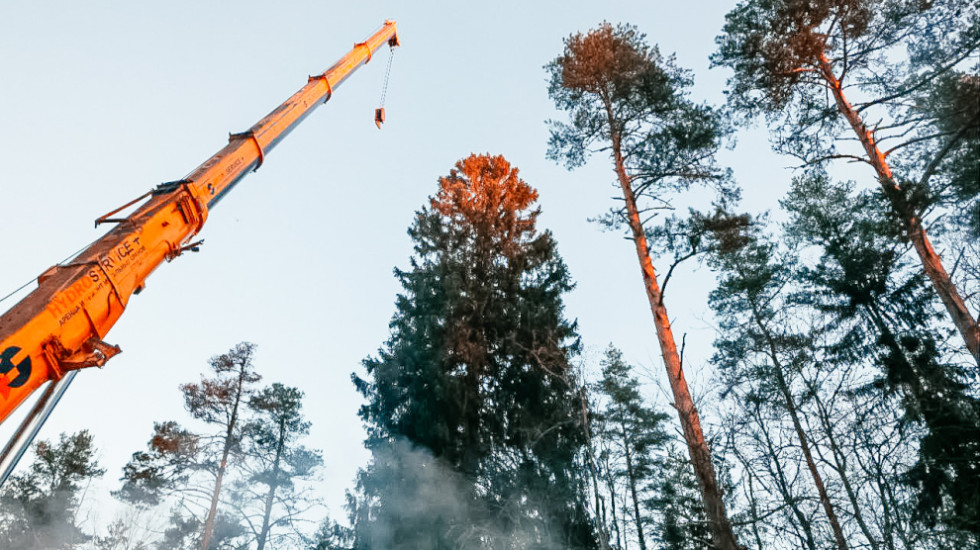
(59, 327)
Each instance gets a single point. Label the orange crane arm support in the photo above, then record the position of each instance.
(59, 326)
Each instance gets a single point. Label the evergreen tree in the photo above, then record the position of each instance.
(758, 345)
(634, 433)
(624, 98)
(269, 494)
(189, 466)
(38, 507)
(881, 308)
(807, 62)
(333, 536)
(472, 411)
(682, 524)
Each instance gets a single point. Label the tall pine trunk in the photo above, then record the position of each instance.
(722, 535)
(222, 466)
(270, 497)
(911, 222)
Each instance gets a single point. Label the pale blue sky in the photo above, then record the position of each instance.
(99, 101)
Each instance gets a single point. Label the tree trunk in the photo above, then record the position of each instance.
(213, 511)
(783, 484)
(611, 486)
(590, 456)
(800, 433)
(270, 498)
(631, 476)
(722, 535)
(753, 504)
(912, 223)
(840, 461)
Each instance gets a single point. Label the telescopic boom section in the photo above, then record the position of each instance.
(60, 326)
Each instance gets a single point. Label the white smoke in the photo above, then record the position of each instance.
(425, 504)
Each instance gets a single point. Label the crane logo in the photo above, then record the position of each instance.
(7, 364)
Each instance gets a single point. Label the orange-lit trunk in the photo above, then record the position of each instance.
(722, 535)
(931, 263)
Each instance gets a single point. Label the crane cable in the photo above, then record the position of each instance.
(379, 113)
(28, 283)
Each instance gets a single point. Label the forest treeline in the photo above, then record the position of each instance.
(844, 406)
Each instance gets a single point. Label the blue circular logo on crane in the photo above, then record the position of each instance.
(7, 364)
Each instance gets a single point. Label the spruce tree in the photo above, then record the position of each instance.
(634, 433)
(878, 306)
(472, 411)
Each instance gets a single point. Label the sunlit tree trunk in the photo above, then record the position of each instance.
(722, 535)
(912, 223)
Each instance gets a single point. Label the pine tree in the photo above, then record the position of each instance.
(270, 495)
(192, 466)
(38, 507)
(808, 62)
(624, 98)
(472, 411)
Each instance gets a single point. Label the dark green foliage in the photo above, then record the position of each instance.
(184, 533)
(38, 507)
(472, 408)
(954, 103)
(167, 464)
(683, 524)
(333, 536)
(880, 309)
(632, 436)
(750, 303)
